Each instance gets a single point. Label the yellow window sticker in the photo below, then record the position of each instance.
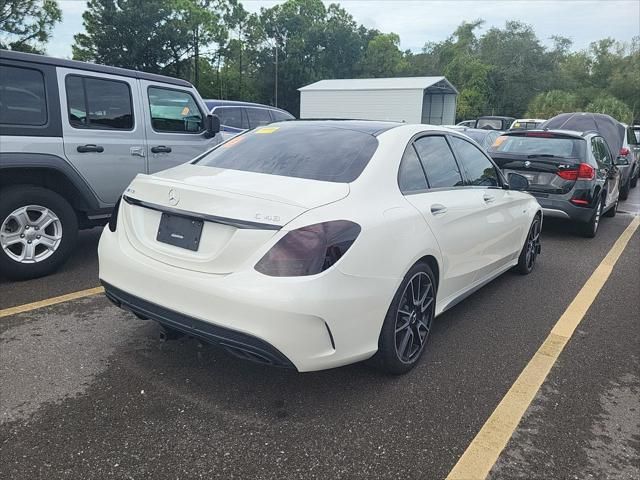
(185, 111)
(267, 129)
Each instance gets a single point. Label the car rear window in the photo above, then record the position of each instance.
(531, 145)
(494, 123)
(314, 152)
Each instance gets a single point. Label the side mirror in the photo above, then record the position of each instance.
(518, 182)
(621, 161)
(212, 126)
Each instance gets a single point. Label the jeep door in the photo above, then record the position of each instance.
(103, 130)
(175, 125)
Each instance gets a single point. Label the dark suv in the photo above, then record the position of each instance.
(573, 175)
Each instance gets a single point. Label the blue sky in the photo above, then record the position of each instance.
(420, 21)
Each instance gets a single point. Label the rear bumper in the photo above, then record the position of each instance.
(236, 343)
(310, 323)
(563, 208)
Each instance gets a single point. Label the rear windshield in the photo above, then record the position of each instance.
(531, 146)
(314, 152)
(494, 123)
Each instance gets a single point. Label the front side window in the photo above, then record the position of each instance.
(314, 152)
(231, 117)
(410, 175)
(258, 117)
(22, 96)
(480, 171)
(174, 111)
(98, 104)
(438, 162)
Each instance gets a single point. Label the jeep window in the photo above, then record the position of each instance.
(98, 104)
(174, 111)
(22, 96)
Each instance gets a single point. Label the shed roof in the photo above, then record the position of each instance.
(395, 83)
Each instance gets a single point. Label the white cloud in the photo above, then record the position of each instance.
(420, 21)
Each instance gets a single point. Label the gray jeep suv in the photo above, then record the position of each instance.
(72, 137)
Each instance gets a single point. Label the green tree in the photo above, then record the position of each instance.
(26, 25)
(549, 104)
(383, 57)
(610, 105)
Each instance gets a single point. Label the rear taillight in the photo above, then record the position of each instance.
(309, 250)
(583, 172)
(113, 221)
(624, 151)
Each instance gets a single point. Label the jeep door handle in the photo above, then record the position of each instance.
(90, 148)
(437, 209)
(488, 198)
(161, 149)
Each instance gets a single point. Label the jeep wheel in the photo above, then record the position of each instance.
(38, 230)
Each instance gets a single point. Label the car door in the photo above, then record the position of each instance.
(607, 171)
(175, 122)
(503, 217)
(451, 210)
(103, 130)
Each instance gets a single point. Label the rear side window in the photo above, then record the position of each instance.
(480, 170)
(600, 151)
(98, 104)
(411, 175)
(315, 152)
(258, 117)
(174, 111)
(279, 116)
(22, 96)
(633, 136)
(231, 117)
(438, 162)
(540, 145)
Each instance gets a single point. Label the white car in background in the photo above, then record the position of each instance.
(527, 124)
(314, 244)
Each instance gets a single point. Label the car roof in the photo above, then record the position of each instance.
(495, 117)
(478, 131)
(212, 103)
(566, 133)
(371, 127)
(90, 67)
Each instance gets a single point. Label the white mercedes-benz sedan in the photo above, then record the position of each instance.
(314, 244)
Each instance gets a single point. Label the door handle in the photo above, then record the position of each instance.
(437, 209)
(488, 198)
(161, 149)
(90, 148)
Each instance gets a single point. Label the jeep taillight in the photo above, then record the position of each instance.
(309, 250)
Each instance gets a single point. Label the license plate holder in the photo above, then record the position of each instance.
(179, 231)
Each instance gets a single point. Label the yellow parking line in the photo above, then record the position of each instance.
(482, 453)
(50, 301)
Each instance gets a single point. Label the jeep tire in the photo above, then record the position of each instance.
(38, 231)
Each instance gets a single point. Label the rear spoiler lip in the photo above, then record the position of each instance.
(232, 222)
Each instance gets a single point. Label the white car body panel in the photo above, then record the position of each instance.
(332, 318)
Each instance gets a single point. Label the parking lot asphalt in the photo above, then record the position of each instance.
(89, 391)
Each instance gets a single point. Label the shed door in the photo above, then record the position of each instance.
(433, 108)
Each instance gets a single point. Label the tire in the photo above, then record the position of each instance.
(531, 248)
(634, 180)
(612, 211)
(590, 229)
(400, 350)
(26, 249)
(624, 191)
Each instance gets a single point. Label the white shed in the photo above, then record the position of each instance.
(430, 100)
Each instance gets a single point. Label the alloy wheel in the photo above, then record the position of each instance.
(414, 317)
(533, 244)
(30, 234)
